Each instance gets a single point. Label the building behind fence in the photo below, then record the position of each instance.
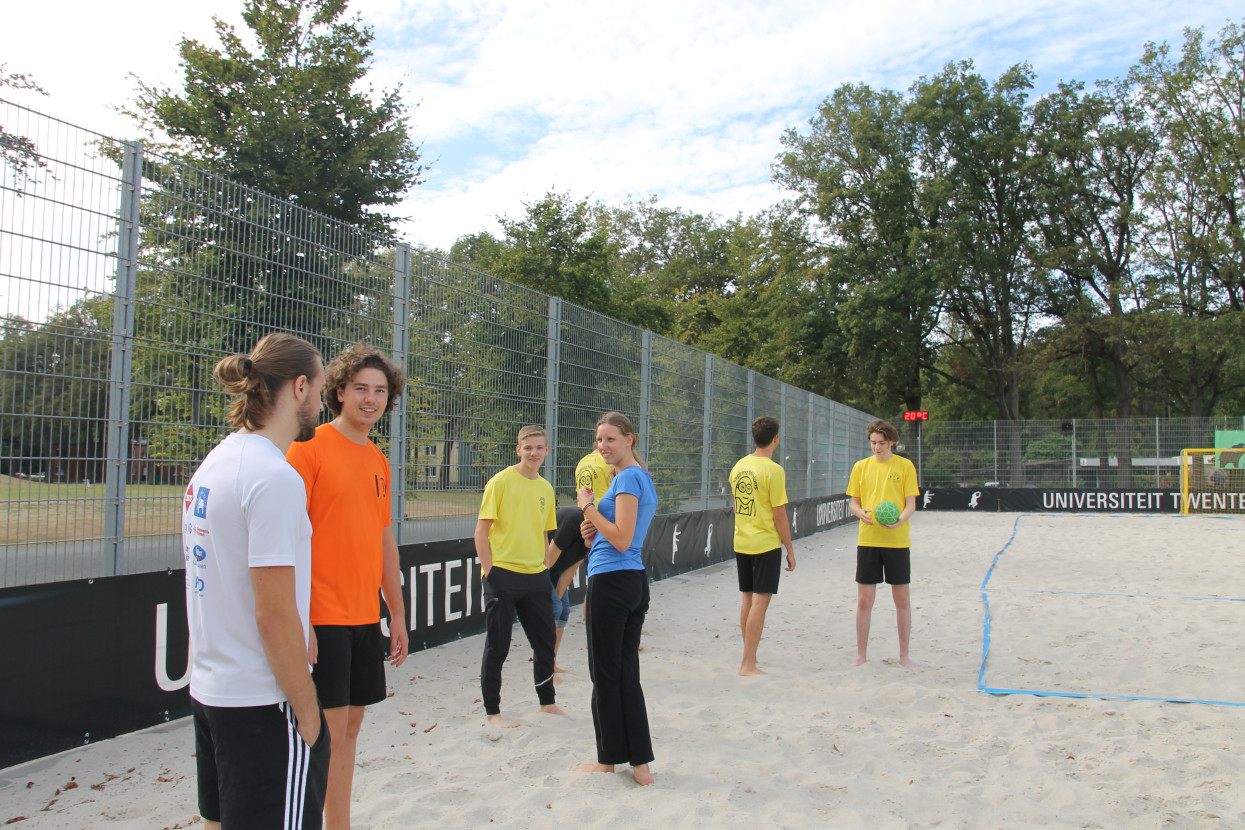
(126, 275)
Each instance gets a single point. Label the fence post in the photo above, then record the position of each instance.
(1076, 458)
(996, 451)
(752, 394)
(706, 433)
(808, 445)
(552, 370)
(782, 414)
(1156, 452)
(398, 455)
(116, 468)
(646, 395)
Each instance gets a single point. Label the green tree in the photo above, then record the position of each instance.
(558, 248)
(293, 119)
(1196, 201)
(978, 147)
(858, 172)
(1098, 148)
(17, 152)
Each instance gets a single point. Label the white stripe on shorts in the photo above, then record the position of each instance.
(295, 772)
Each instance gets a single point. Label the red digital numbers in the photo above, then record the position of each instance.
(922, 415)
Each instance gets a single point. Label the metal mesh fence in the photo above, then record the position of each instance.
(127, 275)
(1096, 453)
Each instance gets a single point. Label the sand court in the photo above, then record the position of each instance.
(1160, 593)
(816, 742)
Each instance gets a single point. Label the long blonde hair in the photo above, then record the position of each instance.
(624, 425)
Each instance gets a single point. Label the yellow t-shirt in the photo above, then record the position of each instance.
(522, 510)
(592, 471)
(874, 481)
(758, 485)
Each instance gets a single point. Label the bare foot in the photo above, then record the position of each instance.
(859, 660)
(552, 709)
(595, 768)
(500, 722)
(557, 681)
(641, 775)
(749, 671)
(558, 669)
(905, 662)
(639, 648)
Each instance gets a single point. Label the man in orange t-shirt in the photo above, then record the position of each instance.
(353, 554)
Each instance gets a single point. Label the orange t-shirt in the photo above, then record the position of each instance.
(348, 502)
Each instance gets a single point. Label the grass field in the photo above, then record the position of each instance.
(37, 511)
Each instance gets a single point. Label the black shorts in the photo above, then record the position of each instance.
(759, 572)
(872, 563)
(254, 769)
(350, 665)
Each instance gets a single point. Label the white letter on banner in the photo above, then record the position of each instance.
(451, 588)
(414, 583)
(162, 653)
(430, 570)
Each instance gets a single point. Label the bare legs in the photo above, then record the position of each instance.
(344, 723)
(866, 594)
(903, 614)
(557, 644)
(751, 624)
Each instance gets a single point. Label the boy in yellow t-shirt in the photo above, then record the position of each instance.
(759, 495)
(516, 514)
(882, 550)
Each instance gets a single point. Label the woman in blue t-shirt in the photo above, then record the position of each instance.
(617, 602)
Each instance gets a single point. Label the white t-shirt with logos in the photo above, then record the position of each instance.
(245, 507)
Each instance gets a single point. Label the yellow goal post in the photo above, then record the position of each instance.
(1212, 480)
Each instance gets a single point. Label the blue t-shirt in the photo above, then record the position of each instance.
(604, 557)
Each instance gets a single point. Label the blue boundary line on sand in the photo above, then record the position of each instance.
(985, 640)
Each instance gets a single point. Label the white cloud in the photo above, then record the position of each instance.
(686, 100)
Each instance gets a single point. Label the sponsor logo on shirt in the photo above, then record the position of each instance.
(200, 553)
(201, 500)
(190, 496)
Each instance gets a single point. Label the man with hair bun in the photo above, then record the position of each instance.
(882, 551)
(354, 554)
(261, 742)
(759, 495)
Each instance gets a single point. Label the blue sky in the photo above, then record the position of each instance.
(685, 100)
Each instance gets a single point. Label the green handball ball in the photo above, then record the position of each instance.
(887, 513)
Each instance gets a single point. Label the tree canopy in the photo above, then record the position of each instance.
(293, 118)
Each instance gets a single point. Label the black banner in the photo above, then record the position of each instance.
(687, 541)
(91, 659)
(1048, 500)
